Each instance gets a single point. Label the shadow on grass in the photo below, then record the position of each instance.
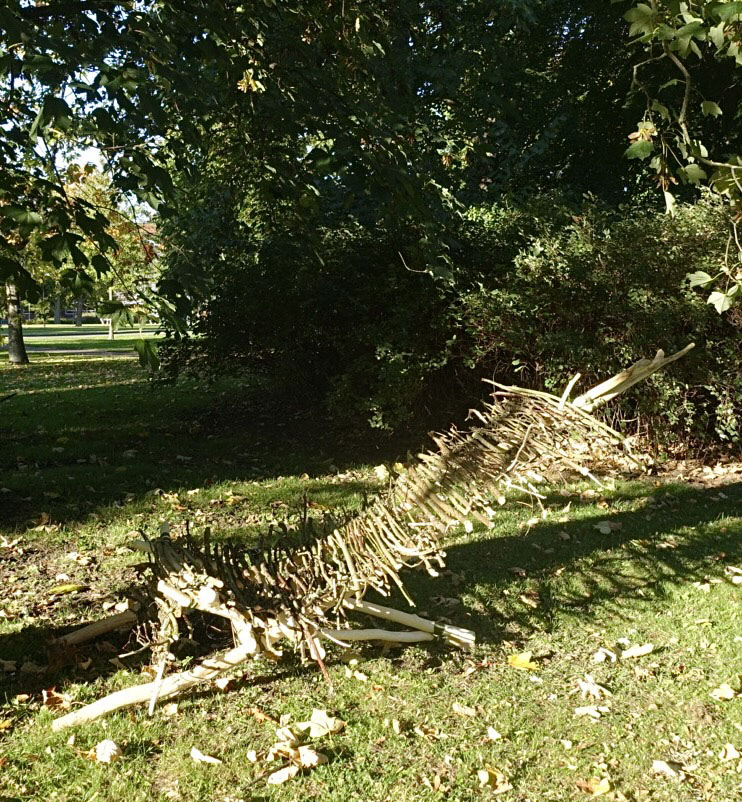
(513, 584)
(517, 583)
(69, 450)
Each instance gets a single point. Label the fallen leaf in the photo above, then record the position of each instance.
(493, 734)
(199, 757)
(169, 710)
(661, 767)
(8, 665)
(308, 758)
(5, 723)
(320, 724)
(589, 687)
(522, 660)
(606, 527)
(493, 778)
(637, 651)
(354, 674)
(604, 654)
(463, 710)
(729, 753)
(603, 787)
(282, 775)
(63, 590)
(724, 692)
(593, 711)
(107, 751)
(54, 700)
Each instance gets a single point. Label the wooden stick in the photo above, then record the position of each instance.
(340, 635)
(173, 685)
(454, 635)
(90, 631)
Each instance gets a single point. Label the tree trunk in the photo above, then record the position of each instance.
(78, 312)
(110, 319)
(58, 309)
(16, 347)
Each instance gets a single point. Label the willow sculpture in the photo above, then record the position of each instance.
(304, 592)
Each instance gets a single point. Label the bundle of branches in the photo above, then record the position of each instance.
(303, 592)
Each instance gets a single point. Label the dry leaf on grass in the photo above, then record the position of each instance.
(664, 768)
(283, 774)
(723, 693)
(523, 661)
(637, 651)
(592, 711)
(595, 786)
(493, 734)
(729, 753)
(169, 710)
(491, 777)
(606, 527)
(106, 751)
(319, 724)
(199, 757)
(589, 687)
(604, 654)
(54, 700)
(463, 710)
(5, 724)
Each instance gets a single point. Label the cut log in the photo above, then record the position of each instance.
(173, 685)
(97, 628)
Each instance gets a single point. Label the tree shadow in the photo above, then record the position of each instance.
(512, 585)
(69, 452)
(515, 584)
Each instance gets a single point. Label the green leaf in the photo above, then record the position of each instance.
(721, 301)
(692, 174)
(641, 149)
(708, 107)
(725, 11)
(24, 217)
(100, 264)
(716, 34)
(147, 351)
(699, 279)
(662, 109)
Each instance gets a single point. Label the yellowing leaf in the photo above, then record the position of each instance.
(522, 660)
(63, 590)
(5, 723)
(603, 787)
(493, 778)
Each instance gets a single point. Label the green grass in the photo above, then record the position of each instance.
(88, 337)
(90, 452)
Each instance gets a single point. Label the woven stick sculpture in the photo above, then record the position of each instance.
(303, 593)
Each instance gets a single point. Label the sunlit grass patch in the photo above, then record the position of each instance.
(574, 586)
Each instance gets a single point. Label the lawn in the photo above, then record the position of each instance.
(90, 452)
(91, 336)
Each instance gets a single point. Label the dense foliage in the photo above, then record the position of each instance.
(372, 203)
